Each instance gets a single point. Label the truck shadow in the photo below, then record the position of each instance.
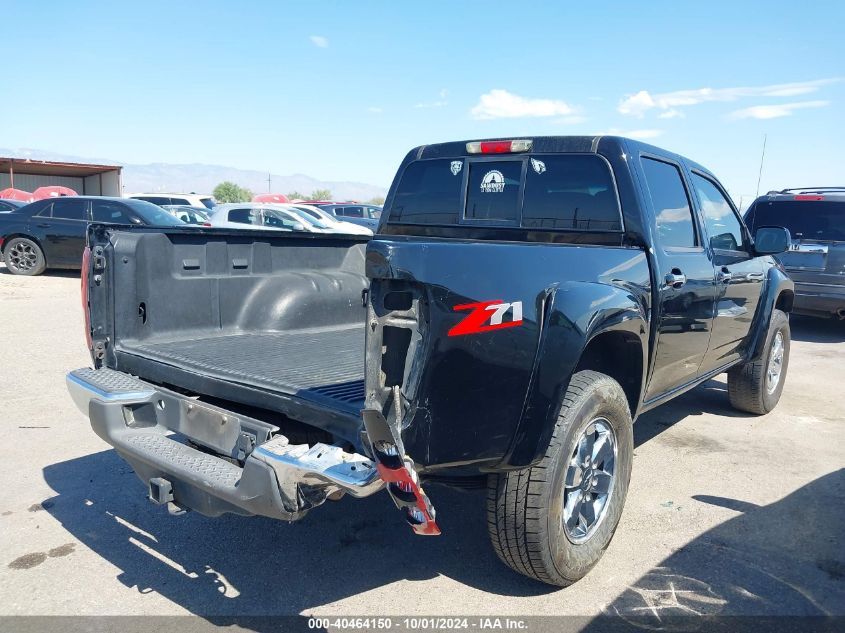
(710, 397)
(255, 566)
(783, 559)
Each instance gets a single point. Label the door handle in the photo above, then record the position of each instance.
(724, 276)
(754, 276)
(676, 278)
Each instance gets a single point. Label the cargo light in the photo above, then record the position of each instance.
(499, 147)
(805, 197)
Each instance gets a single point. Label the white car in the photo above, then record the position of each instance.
(337, 225)
(200, 201)
(256, 215)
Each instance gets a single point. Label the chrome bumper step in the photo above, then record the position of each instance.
(276, 478)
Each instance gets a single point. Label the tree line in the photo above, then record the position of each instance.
(232, 192)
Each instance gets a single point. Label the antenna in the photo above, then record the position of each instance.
(760, 174)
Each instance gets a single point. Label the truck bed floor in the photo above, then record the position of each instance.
(317, 365)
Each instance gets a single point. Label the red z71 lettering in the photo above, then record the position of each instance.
(487, 315)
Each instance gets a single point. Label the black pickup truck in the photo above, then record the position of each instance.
(522, 302)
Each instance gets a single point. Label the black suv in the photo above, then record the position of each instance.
(815, 216)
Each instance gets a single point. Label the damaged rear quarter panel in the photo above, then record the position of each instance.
(474, 399)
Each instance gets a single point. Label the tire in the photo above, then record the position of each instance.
(750, 387)
(525, 508)
(24, 257)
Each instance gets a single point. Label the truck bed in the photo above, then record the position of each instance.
(273, 321)
(324, 364)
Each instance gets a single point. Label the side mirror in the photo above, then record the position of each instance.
(772, 240)
(296, 226)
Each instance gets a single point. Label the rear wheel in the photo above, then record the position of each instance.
(756, 387)
(553, 521)
(24, 257)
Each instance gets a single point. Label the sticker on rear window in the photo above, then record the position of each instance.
(493, 182)
(538, 165)
(456, 167)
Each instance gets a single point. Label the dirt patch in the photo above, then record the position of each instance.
(28, 561)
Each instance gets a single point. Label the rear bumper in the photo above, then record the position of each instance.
(825, 300)
(245, 467)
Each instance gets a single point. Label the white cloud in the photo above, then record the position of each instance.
(319, 41)
(775, 111)
(443, 93)
(501, 104)
(671, 114)
(640, 103)
(375, 110)
(638, 134)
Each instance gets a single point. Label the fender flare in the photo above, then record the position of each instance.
(777, 282)
(564, 336)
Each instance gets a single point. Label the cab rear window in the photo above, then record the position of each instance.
(563, 192)
(430, 192)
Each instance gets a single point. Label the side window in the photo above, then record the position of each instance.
(70, 209)
(353, 212)
(241, 216)
(159, 200)
(45, 212)
(723, 226)
(111, 212)
(275, 219)
(180, 201)
(429, 192)
(675, 226)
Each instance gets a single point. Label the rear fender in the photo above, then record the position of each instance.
(575, 314)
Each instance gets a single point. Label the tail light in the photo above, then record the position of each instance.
(499, 147)
(86, 265)
(809, 197)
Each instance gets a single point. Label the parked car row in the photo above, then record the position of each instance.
(52, 232)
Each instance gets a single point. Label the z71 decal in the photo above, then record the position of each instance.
(487, 315)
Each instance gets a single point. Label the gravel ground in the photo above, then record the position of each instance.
(727, 514)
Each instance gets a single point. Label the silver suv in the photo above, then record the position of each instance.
(815, 217)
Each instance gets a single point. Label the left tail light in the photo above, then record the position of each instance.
(86, 312)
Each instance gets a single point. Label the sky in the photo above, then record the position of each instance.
(342, 90)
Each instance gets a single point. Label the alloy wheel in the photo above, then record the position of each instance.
(589, 481)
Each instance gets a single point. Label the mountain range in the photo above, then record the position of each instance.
(201, 178)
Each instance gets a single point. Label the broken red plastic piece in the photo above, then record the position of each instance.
(424, 523)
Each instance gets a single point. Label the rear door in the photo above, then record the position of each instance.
(685, 273)
(64, 224)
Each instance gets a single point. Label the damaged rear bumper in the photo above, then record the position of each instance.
(245, 466)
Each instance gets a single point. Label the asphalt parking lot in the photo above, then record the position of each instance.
(727, 513)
